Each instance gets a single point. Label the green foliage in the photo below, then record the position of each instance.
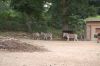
(31, 15)
(3, 6)
(76, 24)
(30, 7)
(10, 22)
(71, 13)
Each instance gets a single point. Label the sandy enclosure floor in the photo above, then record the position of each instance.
(61, 53)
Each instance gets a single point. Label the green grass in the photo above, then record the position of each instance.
(95, 17)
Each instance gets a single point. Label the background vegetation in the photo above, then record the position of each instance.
(46, 15)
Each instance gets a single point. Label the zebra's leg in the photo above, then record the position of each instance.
(67, 38)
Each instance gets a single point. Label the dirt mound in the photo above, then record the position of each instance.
(18, 46)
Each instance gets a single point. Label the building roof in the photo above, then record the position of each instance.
(97, 18)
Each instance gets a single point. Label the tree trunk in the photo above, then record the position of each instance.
(28, 19)
(29, 26)
(64, 13)
(65, 27)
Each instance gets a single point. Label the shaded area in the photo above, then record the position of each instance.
(18, 46)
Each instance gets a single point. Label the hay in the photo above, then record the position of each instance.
(13, 45)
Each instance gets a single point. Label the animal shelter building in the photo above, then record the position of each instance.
(92, 28)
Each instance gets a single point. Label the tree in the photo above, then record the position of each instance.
(31, 9)
(96, 3)
(3, 6)
(67, 8)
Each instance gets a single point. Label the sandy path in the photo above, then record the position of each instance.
(61, 53)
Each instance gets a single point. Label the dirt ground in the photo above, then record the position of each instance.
(61, 53)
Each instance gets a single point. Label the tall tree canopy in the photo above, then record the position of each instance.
(57, 14)
(68, 8)
(32, 9)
